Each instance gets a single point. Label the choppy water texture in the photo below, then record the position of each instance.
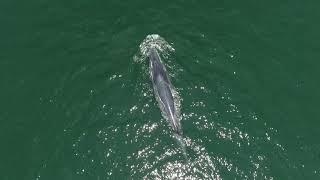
(77, 101)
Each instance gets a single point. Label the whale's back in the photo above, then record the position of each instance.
(163, 89)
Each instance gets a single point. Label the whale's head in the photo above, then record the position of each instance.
(153, 54)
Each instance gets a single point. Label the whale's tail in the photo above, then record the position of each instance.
(175, 123)
(182, 144)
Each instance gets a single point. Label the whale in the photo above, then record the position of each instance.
(163, 90)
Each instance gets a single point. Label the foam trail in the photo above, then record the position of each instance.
(181, 143)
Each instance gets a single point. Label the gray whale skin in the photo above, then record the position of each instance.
(163, 90)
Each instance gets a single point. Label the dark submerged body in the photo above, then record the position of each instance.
(162, 88)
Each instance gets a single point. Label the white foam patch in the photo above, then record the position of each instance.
(152, 40)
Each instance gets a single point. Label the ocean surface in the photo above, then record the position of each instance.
(76, 100)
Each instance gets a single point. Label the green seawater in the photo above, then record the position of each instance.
(76, 101)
